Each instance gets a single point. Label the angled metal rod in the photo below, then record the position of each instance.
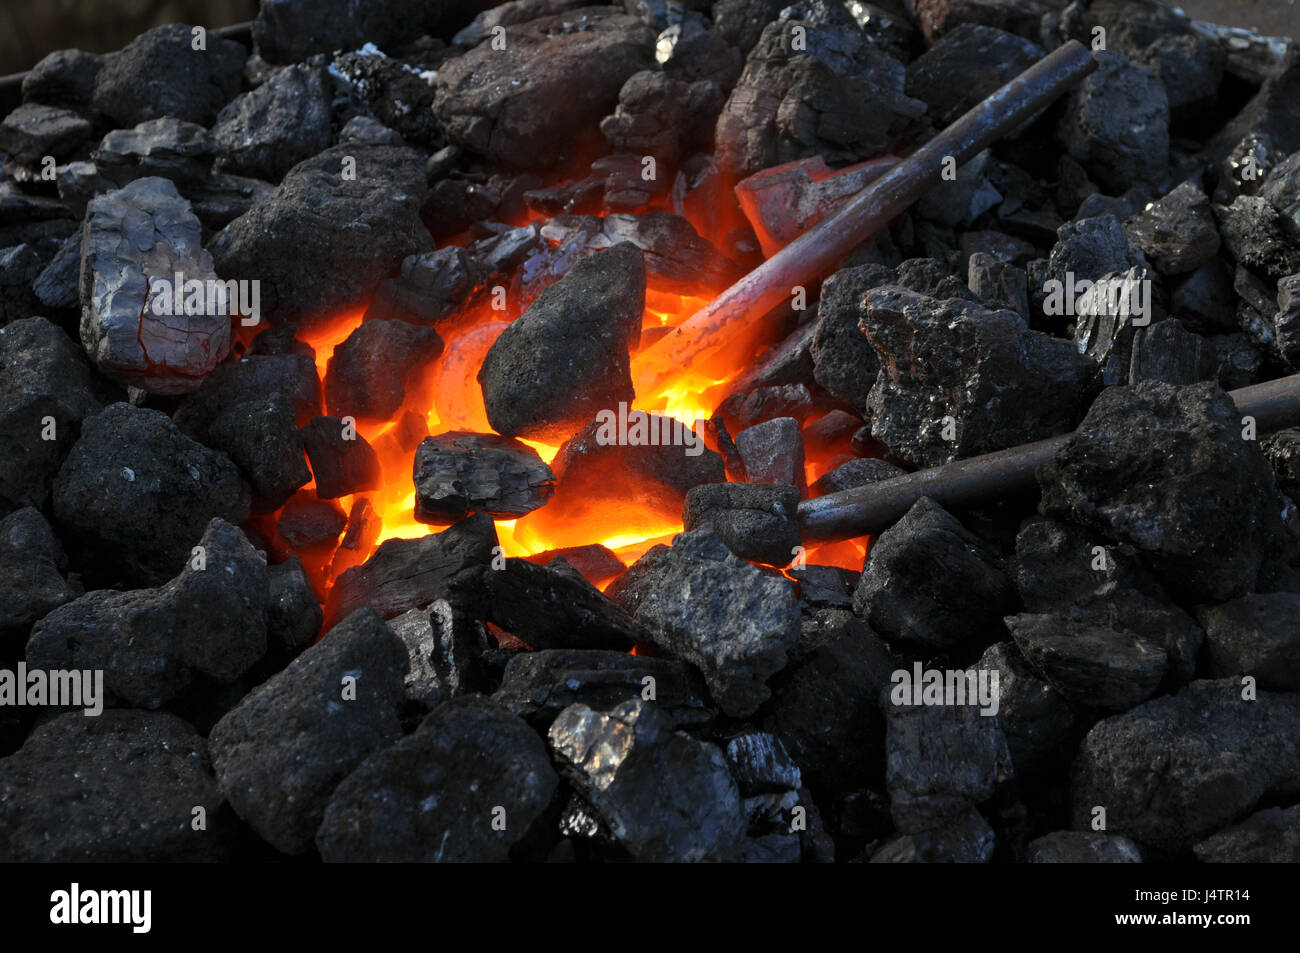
(812, 255)
(979, 481)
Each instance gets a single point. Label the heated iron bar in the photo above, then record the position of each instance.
(815, 253)
(979, 481)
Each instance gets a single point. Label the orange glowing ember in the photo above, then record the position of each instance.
(449, 398)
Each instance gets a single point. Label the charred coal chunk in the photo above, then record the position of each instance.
(248, 381)
(1283, 452)
(437, 795)
(1224, 754)
(756, 521)
(663, 117)
(159, 73)
(405, 574)
(20, 268)
(566, 357)
(432, 286)
(1177, 233)
(967, 839)
(554, 607)
(33, 131)
(537, 686)
(33, 574)
(824, 587)
(772, 452)
(281, 752)
(841, 98)
(1189, 64)
(288, 31)
(64, 78)
(459, 473)
(1111, 654)
(342, 461)
(137, 487)
(119, 787)
(999, 284)
(1164, 469)
(1040, 725)
(1257, 636)
(1281, 187)
(152, 643)
(168, 147)
(1083, 847)
(734, 622)
(44, 376)
(352, 210)
(1060, 564)
(398, 91)
(1270, 836)
(937, 18)
(746, 409)
(844, 362)
(1100, 116)
(263, 440)
(1091, 248)
(130, 326)
(373, 369)
(931, 582)
(663, 795)
(853, 473)
(443, 645)
(958, 380)
(824, 705)
(941, 760)
(293, 616)
(267, 131)
(1272, 116)
(965, 66)
(526, 106)
(1286, 322)
(1254, 237)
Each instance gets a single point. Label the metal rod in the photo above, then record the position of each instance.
(979, 481)
(813, 254)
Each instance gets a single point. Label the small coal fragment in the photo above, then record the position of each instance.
(1257, 636)
(1111, 654)
(965, 66)
(1039, 724)
(941, 760)
(773, 452)
(930, 582)
(459, 473)
(373, 369)
(1177, 233)
(262, 439)
(167, 147)
(266, 131)
(152, 643)
(1272, 116)
(1101, 115)
(352, 210)
(1271, 836)
(824, 704)
(566, 358)
(766, 403)
(1083, 847)
(598, 564)
(958, 380)
(31, 132)
(1283, 452)
(731, 620)
(159, 73)
(443, 646)
(293, 616)
(251, 380)
(853, 473)
(135, 487)
(968, 839)
(761, 764)
(528, 105)
(1060, 564)
(553, 607)
(57, 286)
(281, 752)
(824, 587)
(1221, 754)
(20, 267)
(1189, 63)
(137, 240)
(999, 284)
(33, 568)
(844, 362)
(121, 787)
(1165, 470)
(841, 98)
(44, 376)
(664, 117)
(537, 686)
(288, 31)
(1286, 323)
(664, 796)
(399, 91)
(1253, 236)
(468, 786)
(307, 523)
(63, 78)
(756, 521)
(432, 286)
(342, 461)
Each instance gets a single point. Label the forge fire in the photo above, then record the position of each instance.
(715, 430)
